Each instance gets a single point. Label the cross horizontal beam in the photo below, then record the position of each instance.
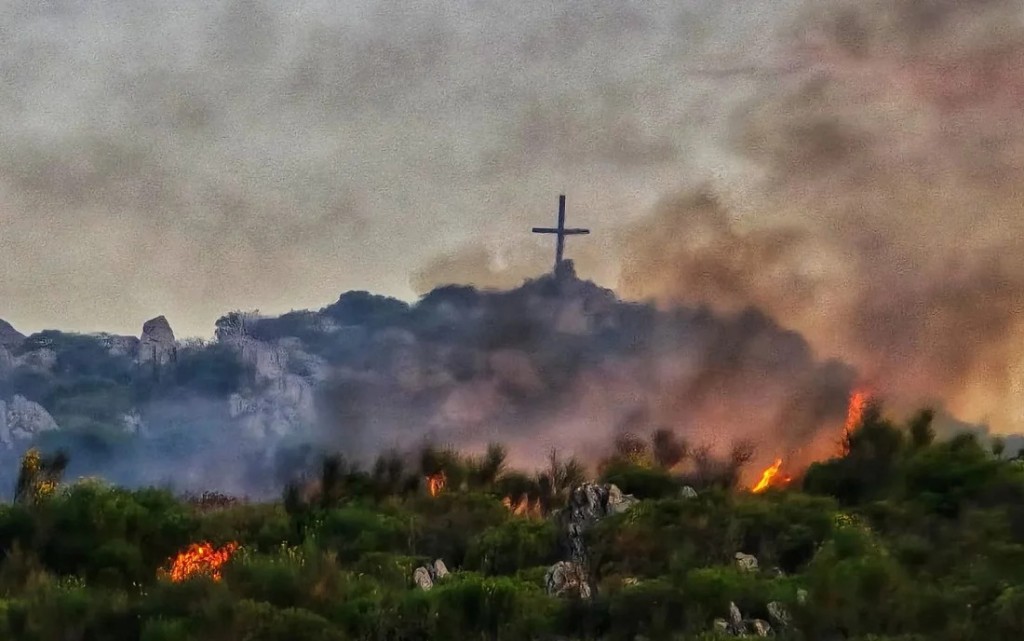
(561, 232)
(555, 230)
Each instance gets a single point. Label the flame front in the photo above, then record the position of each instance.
(436, 483)
(201, 558)
(767, 476)
(855, 410)
(523, 507)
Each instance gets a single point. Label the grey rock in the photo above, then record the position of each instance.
(746, 562)
(421, 577)
(735, 619)
(588, 504)
(440, 570)
(566, 578)
(22, 419)
(688, 492)
(157, 343)
(778, 615)
(721, 626)
(759, 628)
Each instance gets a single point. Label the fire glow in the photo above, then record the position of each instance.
(767, 477)
(855, 410)
(436, 483)
(201, 559)
(858, 404)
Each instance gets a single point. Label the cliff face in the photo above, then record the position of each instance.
(21, 420)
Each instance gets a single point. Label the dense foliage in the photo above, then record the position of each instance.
(900, 538)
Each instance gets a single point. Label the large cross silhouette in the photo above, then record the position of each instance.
(561, 231)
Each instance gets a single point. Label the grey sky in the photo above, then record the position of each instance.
(193, 157)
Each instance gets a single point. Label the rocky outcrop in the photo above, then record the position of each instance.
(120, 345)
(567, 578)
(10, 337)
(426, 576)
(283, 407)
(779, 615)
(157, 344)
(22, 419)
(746, 562)
(737, 626)
(587, 504)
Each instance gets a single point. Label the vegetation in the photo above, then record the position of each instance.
(901, 537)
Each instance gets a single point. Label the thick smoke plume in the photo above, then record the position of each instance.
(562, 363)
(885, 220)
(866, 193)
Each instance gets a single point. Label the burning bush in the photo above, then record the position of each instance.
(200, 559)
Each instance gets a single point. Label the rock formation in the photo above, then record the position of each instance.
(22, 419)
(588, 504)
(567, 578)
(426, 576)
(157, 344)
(10, 337)
(746, 562)
(737, 626)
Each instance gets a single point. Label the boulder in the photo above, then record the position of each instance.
(426, 576)
(759, 628)
(421, 577)
(157, 343)
(735, 619)
(746, 562)
(566, 578)
(688, 492)
(778, 615)
(440, 570)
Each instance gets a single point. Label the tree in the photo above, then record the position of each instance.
(39, 476)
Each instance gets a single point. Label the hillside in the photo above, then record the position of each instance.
(901, 538)
(556, 363)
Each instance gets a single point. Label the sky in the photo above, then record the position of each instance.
(195, 157)
(849, 167)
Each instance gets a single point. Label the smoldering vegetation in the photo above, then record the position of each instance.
(556, 364)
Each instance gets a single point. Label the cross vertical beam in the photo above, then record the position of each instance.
(560, 232)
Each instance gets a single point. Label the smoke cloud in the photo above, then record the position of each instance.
(884, 220)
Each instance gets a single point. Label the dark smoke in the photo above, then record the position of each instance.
(562, 363)
(885, 223)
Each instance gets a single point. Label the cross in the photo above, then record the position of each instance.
(561, 231)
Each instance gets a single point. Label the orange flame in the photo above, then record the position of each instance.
(855, 410)
(523, 507)
(436, 483)
(201, 558)
(767, 476)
